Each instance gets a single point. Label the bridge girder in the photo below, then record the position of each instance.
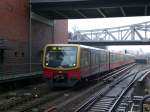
(136, 32)
(109, 43)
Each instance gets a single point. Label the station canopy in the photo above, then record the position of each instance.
(75, 9)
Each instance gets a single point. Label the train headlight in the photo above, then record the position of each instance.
(54, 48)
(59, 71)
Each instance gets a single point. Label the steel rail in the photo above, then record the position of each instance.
(112, 109)
(87, 105)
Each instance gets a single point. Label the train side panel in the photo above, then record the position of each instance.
(93, 61)
(117, 60)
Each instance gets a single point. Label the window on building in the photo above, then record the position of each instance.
(1, 56)
(15, 53)
(22, 54)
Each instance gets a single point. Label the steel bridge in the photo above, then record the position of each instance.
(136, 34)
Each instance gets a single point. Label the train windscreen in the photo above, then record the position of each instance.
(61, 56)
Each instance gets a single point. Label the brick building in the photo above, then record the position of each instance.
(21, 43)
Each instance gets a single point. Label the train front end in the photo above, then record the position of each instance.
(61, 65)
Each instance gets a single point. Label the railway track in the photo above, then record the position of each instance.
(108, 98)
(70, 104)
(16, 97)
(41, 99)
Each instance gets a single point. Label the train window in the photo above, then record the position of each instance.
(93, 58)
(105, 57)
(62, 56)
(1, 56)
(102, 57)
(86, 56)
(97, 58)
(112, 56)
(82, 59)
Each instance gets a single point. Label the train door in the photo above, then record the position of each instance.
(100, 61)
(94, 67)
(109, 60)
(90, 61)
(85, 63)
(105, 61)
(97, 62)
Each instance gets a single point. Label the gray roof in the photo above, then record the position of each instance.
(73, 9)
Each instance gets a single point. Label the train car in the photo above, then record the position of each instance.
(118, 59)
(66, 64)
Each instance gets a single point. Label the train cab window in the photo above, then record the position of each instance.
(1, 56)
(61, 56)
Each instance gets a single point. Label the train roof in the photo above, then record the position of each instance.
(94, 48)
(120, 53)
(78, 45)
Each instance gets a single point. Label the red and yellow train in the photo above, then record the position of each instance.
(66, 64)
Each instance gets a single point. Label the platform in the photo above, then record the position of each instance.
(8, 78)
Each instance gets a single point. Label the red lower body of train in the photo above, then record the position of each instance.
(71, 77)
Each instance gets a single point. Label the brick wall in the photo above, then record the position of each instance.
(14, 28)
(14, 19)
(60, 31)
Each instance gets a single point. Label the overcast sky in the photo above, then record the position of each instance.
(100, 23)
(84, 24)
